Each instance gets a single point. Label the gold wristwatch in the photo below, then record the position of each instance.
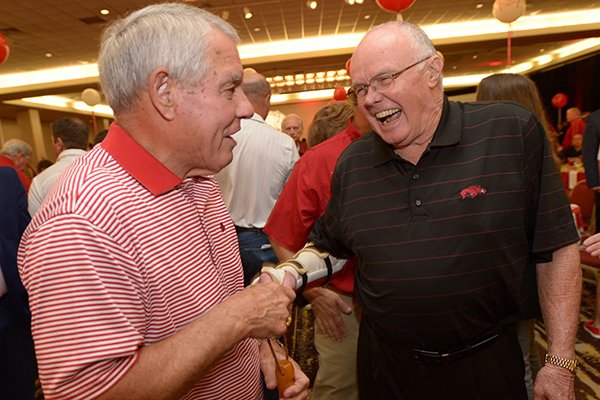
(571, 365)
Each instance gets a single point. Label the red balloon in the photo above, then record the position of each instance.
(4, 52)
(559, 100)
(4, 49)
(395, 5)
(340, 93)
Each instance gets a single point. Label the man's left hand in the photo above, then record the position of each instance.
(299, 390)
(554, 383)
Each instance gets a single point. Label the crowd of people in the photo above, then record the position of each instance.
(134, 261)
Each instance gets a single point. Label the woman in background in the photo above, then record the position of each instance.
(521, 90)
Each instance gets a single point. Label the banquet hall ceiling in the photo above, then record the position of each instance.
(53, 33)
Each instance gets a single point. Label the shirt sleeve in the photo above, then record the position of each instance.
(550, 223)
(327, 233)
(87, 316)
(296, 210)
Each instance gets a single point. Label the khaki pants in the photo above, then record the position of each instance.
(336, 378)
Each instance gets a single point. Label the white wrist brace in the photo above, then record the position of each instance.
(307, 265)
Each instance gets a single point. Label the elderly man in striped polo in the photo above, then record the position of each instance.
(132, 264)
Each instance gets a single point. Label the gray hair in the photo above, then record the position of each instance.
(14, 147)
(171, 35)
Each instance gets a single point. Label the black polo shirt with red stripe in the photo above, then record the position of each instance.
(448, 247)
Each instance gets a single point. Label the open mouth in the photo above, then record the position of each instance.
(388, 116)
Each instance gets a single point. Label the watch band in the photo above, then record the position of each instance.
(571, 365)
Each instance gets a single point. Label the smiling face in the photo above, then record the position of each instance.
(406, 112)
(209, 113)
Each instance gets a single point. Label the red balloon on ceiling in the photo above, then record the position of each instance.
(559, 100)
(4, 49)
(340, 93)
(395, 5)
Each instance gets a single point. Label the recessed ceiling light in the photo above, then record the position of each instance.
(475, 56)
(454, 67)
(256, 29)
(367, 16)
(480, 5)
(312, 4)
(247, 13)
(48, 55)
(542, 50)
(104, 11)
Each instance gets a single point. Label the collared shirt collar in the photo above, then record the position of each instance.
(447, 133)
(138, 162)
(70, 152)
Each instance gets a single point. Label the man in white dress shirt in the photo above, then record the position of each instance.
(69, 139)
(262, 162)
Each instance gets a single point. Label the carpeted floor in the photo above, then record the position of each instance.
(587, 382)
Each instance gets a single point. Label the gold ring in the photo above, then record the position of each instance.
(289, 321)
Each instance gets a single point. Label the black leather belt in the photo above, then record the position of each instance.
(441, 358)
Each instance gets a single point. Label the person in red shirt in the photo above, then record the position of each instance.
(300, 204)
(576, 125)
(16, 154)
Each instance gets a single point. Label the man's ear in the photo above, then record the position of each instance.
(435, 70)
(161, 89)
(60, 144)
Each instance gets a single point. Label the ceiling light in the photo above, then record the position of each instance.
(480, 5)
(578, 47)
(367, 16)
(48, 55)
(256, 29)
(247, 13)
(542, 60)
(104, 11)
(312, 4)
(359, 1)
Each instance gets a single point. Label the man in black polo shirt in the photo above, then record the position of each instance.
(458, 218)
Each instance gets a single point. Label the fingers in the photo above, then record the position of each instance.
(299, 390)
(289, 281)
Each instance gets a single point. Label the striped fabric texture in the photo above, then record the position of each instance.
(447, 248)
(110, 267)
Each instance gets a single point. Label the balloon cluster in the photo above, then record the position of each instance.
(4, 49)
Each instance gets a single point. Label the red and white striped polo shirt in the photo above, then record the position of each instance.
(123, 254)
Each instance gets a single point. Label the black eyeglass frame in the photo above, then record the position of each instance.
(352, 91)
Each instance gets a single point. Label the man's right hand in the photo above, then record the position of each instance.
(264, 308)
(328, 307)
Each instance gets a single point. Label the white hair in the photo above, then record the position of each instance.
(14, 147)
(172, 35)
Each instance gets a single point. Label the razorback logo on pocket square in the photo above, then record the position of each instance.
(472, 191)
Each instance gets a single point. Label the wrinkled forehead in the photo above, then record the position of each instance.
(292, 122)
(381, 50)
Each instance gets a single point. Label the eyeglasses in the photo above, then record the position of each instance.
(380, 83)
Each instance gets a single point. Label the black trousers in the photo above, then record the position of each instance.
(492, 372)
